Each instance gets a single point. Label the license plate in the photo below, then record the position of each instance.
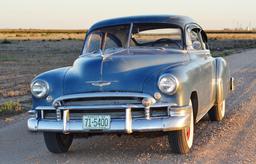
(96, 122)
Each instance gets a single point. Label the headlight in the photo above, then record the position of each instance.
(39, 88)
(168, 84)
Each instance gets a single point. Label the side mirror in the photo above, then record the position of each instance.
(197, 45)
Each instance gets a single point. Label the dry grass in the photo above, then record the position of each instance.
(21, 61)
(231, 34)
(10, 108)
(38, 34)
(17, 31)
(41, 36)
(224, 36)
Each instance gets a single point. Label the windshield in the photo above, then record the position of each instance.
(156, 35)
(107, 38)
(140, 36)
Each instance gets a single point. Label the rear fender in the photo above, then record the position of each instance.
(222, 80)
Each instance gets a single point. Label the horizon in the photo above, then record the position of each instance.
(64, 14)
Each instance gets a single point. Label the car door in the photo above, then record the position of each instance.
(205, 64)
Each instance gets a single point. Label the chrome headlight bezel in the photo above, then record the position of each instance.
(45, 88)
(173, 80)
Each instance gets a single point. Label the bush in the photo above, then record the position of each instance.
(9, 108)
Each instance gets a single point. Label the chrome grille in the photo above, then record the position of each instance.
(102, 101)
(115, 113)
(107, 103)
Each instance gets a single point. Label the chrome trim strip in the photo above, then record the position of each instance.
(180, 111)
(103, 94)
(104, 107)
(32, 112)
(45, 108)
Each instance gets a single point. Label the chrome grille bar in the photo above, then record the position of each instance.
(102, 94)
(104, 107)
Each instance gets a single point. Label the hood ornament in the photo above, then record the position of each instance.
(100, 83)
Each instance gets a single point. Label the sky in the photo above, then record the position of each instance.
(81, 14)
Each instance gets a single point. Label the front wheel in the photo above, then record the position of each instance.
(217, 112)
(181, 141)
(57, 142)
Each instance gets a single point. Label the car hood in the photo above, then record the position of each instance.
(123, 71)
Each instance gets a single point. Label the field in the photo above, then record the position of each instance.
(21, 61)
(26, 53)
(42, 34)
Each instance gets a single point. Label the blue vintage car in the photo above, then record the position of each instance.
(134, 75)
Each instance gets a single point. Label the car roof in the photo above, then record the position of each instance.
(177, 20)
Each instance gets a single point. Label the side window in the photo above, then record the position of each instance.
(194, 36)
(94, 42)
(112, 42)
(195, 40)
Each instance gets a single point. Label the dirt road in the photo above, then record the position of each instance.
(230, 141)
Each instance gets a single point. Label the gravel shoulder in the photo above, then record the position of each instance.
(230, 141)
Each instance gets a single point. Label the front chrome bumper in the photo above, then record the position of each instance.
(179, 119)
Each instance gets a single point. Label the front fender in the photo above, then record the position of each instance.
(55, 80)
(182, 96)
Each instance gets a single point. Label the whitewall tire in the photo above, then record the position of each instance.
(217, 112)
(181, 141)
